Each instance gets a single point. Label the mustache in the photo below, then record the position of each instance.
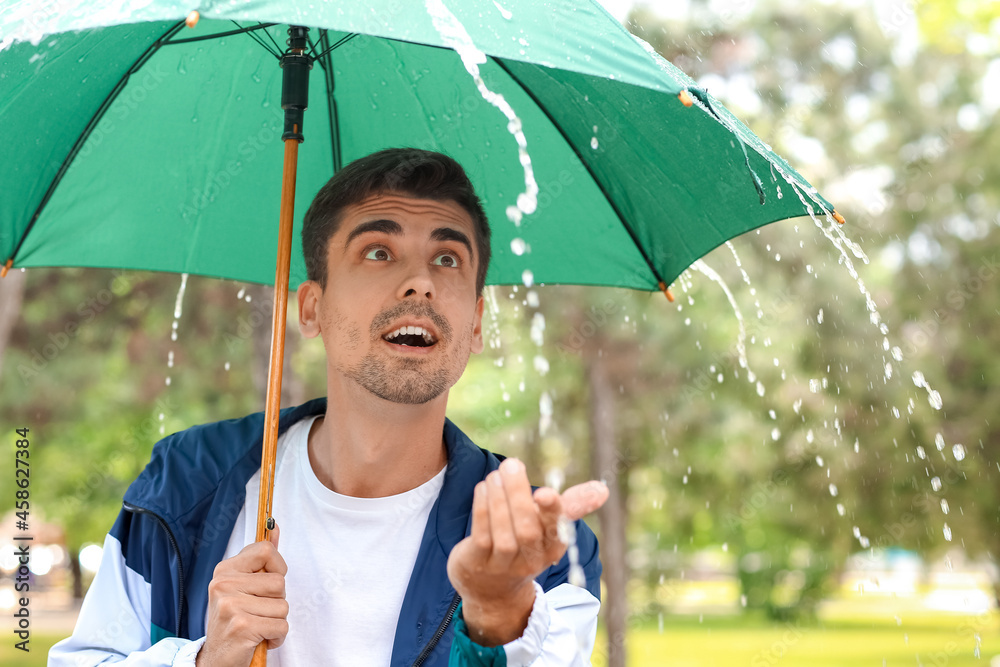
(424, 309)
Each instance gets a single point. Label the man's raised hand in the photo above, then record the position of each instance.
(514, 538)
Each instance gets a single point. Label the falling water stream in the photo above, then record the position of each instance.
(457, 37)
(178, 311)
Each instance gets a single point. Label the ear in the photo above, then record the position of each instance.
(477, 327)
(309, 299)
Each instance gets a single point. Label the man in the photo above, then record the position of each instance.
(388, 516)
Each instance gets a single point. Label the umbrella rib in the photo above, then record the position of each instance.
(593, 176)
(89, 128)
(277, 47)
(326, 64)
(340, 42)
(248, 30)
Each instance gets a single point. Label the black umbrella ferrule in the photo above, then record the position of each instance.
(295, 65)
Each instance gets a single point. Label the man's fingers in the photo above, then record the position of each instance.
(523, 511)
(501, 527)
(481, 538)
(254, 558)
(580, 500)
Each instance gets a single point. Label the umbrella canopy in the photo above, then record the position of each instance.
(132, 141)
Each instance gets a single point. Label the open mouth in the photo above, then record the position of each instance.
(410, 336)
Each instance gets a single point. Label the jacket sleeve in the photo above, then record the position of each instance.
(560, 633)
(114, 623)
(562, 626)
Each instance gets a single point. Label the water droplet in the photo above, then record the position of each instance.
(958, 451)
(532, 298)
(760, 388)
(934, 398)
(897, 353)
(819, 316)
(939, 442)
(936, 483)
(538, 329)
(593, 143)
(947, 532)
(833, 490)
(814, 386)
(944, 506)
(888, 371)
(819, 461)
(918, 379)
(528, 278)
(840, 509)
(527, 203)
(518, 246)
(775, 434)
(226, 366)
(797, 405)
(920, 452)
(541, 365)
(685, 479)
(514, 214)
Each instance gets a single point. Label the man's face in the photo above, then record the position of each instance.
(399, 315)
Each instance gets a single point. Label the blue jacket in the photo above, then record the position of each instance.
(178, 515)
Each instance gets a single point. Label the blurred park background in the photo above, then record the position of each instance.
(833, 498)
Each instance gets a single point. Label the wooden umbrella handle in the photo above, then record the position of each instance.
(273, 405)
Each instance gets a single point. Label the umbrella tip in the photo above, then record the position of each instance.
(666, 291)
(685, 97)
(838, 217)
(6, 267)
(192, 18)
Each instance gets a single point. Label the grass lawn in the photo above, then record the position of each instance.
(929, 640)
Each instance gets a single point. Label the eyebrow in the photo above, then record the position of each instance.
(449, 234)
(393, 228)
(384, 226)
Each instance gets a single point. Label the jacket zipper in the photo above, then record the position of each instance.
(180, 566)
(438, 633)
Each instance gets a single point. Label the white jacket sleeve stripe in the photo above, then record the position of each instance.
(114, 622)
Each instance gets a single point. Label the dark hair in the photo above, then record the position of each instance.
(408, 171)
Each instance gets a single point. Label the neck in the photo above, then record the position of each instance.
(367, 447)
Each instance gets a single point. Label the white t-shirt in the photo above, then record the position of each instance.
(349, 559)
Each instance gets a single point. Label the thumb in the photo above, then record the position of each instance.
(580, 500)
(272, 535)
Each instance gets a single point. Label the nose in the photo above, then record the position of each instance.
(417, 283)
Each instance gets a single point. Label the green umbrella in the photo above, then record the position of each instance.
(128, 144)
(132, 141)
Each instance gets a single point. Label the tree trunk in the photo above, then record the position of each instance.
(606, 465)
(11, 293)
(74, 569)
(292, 391)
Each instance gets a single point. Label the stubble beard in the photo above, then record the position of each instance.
(406, 381)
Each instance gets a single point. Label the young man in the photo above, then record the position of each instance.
(389, 517)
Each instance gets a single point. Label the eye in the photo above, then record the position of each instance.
(378, 255)
(447, 259)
